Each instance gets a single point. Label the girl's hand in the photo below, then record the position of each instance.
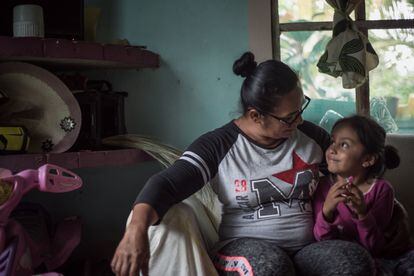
(336, 194)
(356, 201)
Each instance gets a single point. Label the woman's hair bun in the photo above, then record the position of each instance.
(392, 159)
(245, 65)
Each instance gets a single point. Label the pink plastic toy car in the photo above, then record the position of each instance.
(21, 251)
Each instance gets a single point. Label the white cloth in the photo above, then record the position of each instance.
(180, 244)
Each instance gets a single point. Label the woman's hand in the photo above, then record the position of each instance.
(356, 201)
(132, 254)
(336, 194)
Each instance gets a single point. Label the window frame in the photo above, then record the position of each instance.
(362, 92)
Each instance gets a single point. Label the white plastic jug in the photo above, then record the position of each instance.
(28, 21)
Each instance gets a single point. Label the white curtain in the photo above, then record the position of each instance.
(349, 53)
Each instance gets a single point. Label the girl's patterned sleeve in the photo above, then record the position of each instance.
(322, 230)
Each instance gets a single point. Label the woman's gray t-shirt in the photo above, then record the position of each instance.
(265, 193)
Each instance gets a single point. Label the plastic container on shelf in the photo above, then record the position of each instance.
(28, 21)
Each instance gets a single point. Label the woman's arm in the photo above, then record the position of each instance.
(171, 186)
(159, 193)
(197, 166)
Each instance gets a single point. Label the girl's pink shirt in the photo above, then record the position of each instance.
(369, 232)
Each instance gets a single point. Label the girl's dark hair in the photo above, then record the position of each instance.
(265, 83)
(372, 137)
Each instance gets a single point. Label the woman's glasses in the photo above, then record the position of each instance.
(289, 120)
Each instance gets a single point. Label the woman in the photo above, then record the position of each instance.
(264, 168)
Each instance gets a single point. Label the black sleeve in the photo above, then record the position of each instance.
(171, 186)
(321, 137)
(196, 167)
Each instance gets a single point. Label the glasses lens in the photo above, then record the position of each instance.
(294, 117)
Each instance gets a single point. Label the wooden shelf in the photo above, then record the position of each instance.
(74, 160)
(69, 54)
(64, 54)
(71, 64)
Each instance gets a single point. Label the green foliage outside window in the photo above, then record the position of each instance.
(392, 79)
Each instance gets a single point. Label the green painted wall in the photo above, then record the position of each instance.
(193, 91)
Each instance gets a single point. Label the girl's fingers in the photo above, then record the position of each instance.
(339, 184)
(342, 199)
(338, 197)
(341, 187)
(341, 192)
(356, 191)
(351, 200)
(355, 204)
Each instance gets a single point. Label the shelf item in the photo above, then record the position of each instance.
(72, 54)
(62, 19)
(42, 103)
(64, 54)
(74, 160)
(102, 116)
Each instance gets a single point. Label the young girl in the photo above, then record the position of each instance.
(354, 203)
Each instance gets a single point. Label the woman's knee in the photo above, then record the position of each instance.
(253, 257)
(334, 257)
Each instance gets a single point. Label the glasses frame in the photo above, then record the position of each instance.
(300, 111)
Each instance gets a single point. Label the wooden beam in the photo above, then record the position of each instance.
(362, 92)
(326, 26)
(260, 29)
(275, 29)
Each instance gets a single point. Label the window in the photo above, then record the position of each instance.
(302, 28)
